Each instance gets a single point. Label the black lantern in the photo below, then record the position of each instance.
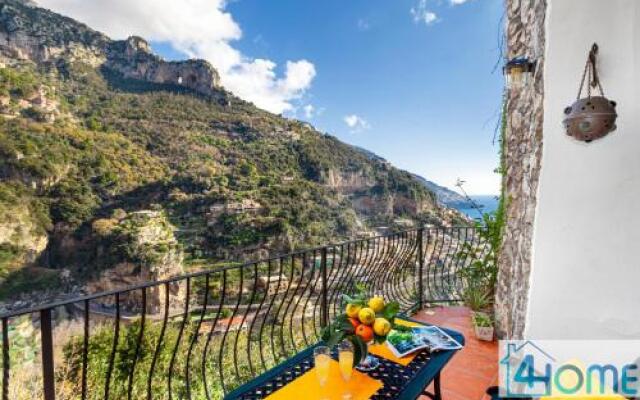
(591, 117)
(518, 72)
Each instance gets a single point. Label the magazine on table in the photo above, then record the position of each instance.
(403, 342)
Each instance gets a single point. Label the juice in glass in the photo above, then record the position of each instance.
(322, 359)
(345, 360)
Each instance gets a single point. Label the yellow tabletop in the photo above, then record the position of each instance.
(361, 386)
(307, 387)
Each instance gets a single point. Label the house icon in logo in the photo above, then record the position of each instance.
(526, 369)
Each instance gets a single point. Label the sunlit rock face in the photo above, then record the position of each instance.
(19, 230)
(31, 33)
(147, 250)
(347, 180)
(27, 33)
(134, 59)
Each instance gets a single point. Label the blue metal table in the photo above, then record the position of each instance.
(399, 382)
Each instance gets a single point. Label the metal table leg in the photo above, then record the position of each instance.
(437, 394)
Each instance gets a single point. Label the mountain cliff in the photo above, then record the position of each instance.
(444, 195)
(114, 162)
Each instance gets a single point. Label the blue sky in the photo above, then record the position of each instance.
(411, 80)
(427, 92)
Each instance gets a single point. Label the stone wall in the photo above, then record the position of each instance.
(523, 150)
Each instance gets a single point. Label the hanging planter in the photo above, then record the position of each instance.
(591, 117)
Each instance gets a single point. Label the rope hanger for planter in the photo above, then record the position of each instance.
(590, 117)
(591, 71)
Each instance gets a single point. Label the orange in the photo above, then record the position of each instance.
(354, 322)
(365, 333)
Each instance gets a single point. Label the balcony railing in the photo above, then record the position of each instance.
(202, 334)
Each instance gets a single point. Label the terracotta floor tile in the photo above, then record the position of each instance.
(474, 368)
(447, 395)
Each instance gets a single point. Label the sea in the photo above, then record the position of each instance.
(488, 204)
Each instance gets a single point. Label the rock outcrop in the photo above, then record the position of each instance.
(31, 33)
(148, 251)
(20, 231)
(36, 34)
(134, 59)
(347, 180)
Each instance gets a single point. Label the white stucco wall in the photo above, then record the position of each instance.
(585, 280)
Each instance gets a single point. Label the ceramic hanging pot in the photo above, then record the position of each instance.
(591, 117)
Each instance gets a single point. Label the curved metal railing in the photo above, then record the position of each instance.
(202, 334)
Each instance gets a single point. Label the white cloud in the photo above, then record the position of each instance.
(421, 14)
(363, 25)
(356, 123)
(457, 2)
(309, 110)
(201, 29)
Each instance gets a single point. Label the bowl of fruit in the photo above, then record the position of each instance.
(365, 321)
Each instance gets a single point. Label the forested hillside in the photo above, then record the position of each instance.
(117, 166)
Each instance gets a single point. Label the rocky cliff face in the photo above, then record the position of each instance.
(134, 59)
(20, 231)
(347, 180)
(151, 253)
(31, 33)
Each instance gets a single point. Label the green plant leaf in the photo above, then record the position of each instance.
(335, 338)
(346, 327)
(482, 320)
(341, 317)
(390, 310)
(347, 299)
(353, 300)
(379, 339)
(325, 333)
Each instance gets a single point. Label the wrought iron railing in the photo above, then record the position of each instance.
(202, 334)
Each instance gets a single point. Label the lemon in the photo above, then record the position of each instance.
(381, 326)
(367, 316)
(353, 310)
(376, 304)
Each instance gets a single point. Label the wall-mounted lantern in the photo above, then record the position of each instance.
(591, 117)
(518, 72)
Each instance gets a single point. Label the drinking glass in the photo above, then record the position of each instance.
(345, 360)
(322, 358)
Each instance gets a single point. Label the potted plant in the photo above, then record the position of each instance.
(365, 321)
(483, 326)
(477, 298)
